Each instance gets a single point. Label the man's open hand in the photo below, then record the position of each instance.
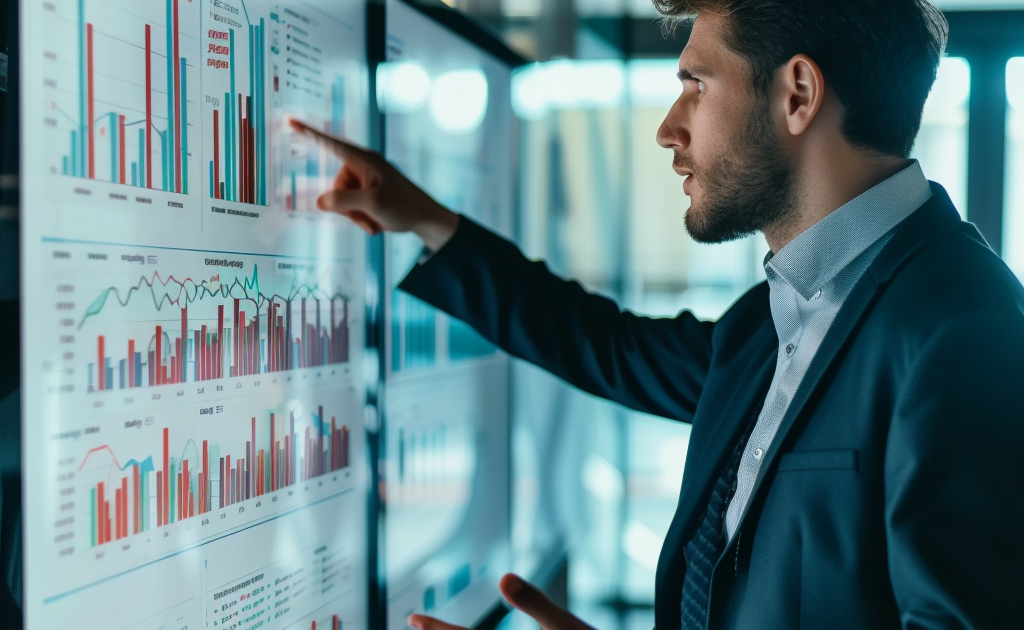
(523, 596)
(377, 197)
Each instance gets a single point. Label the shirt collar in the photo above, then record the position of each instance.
(815, 257)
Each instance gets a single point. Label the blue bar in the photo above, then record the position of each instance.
(184, 130)
(122, 365)
(64, 165)
(135, 174)
(114, 170)
(89, 373)
(169, 167)
(138, 369)
(110, 375)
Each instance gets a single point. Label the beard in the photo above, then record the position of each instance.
(745, 191)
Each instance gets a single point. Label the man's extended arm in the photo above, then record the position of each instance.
(654, 365)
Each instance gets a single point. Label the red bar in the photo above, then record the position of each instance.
(270, 337)
(120, 137)
(182, 359)
(101, 514)
(252, 454)
(273, 455)
(167, 481)
(238, 341)
(206, 475)
(216, 154)
(260, 475)
(131, 364)
(107, 537)
(102, 365)
(158, 356)
(242, 153)
(220, 498)
(252, 161)
(124, 507)
(174, 366)
(149, 115)
(138, 499)
(220, 342)
(91, 96)
(336, 623)
(227, 482)
(177, 105)
(335, 447)
(159, 499)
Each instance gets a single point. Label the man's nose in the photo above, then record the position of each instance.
(674, 131)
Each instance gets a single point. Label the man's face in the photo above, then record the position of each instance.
(724, 142)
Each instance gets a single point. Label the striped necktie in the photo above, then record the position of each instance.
(707, 545)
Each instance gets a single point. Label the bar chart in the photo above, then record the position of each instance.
(138, 496)
(134, 72)
(240, 329)
(235, 107)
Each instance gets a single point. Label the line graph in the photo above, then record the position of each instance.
(255, 331)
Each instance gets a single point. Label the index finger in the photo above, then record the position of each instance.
(344, 149)
(423, 622)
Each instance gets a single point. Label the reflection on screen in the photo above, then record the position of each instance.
(448, 127)
(194, 336)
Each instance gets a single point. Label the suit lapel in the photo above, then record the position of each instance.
(934, 219)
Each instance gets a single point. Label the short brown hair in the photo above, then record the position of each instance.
(880, 57)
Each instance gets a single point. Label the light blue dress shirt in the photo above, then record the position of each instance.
(809, 279)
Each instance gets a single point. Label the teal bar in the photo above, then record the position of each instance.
(184, 130)
(64, 165)
(212, 183)
(232, 122)
(163, 155)
(115, 172)
(169, 164)
(228, 136)
(135, 174)
(261, 136)
(83, 89)
(295, 199)
(252, 70)
(172, 484)
(74, 153)
(142, 157)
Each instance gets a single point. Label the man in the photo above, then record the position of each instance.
(856, 424)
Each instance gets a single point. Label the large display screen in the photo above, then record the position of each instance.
(448, 127)
(194, 381)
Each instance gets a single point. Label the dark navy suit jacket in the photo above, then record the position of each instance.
(893, 494)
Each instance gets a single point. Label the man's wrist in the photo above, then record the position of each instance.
(436, 231)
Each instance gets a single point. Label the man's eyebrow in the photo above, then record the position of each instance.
(692, 74)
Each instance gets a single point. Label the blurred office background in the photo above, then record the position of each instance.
(597, 484)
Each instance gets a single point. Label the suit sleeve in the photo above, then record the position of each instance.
(954, 478)
(657, 366)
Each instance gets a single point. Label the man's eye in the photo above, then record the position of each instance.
(700, 85)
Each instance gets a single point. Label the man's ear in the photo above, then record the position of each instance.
(802, 88)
